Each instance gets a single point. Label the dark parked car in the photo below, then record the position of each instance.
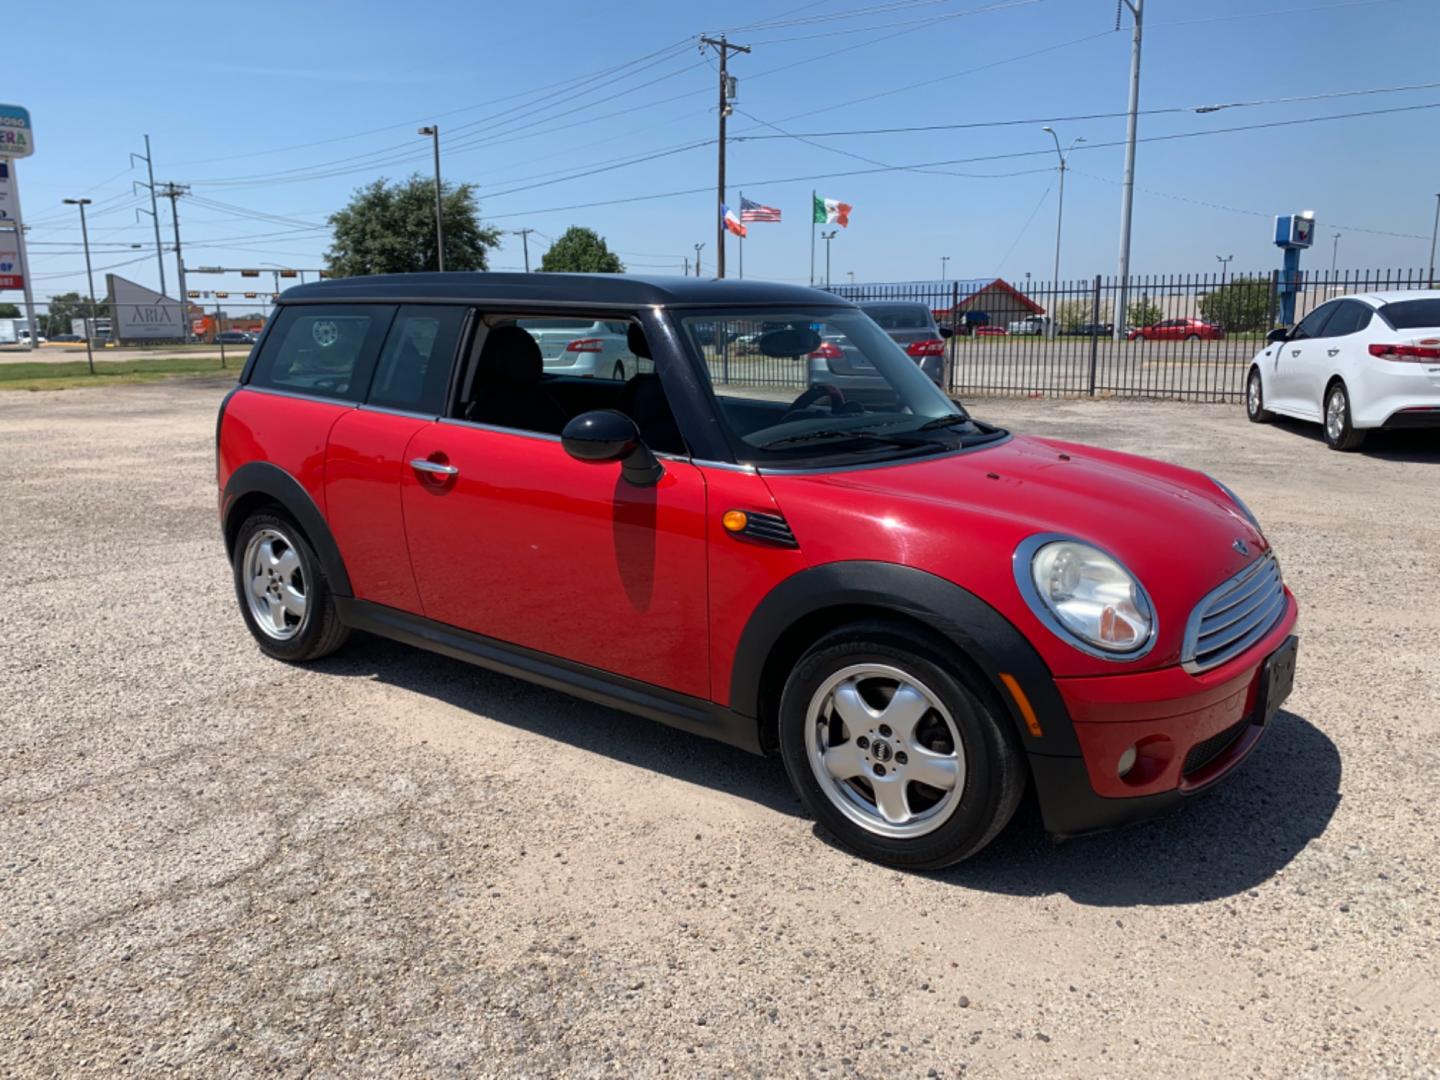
(910, 325)
(235, 337)
(924, 614)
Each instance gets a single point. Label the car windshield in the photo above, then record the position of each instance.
(821, 382)
(1412, 314)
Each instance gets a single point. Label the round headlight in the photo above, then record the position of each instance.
(1087, 597)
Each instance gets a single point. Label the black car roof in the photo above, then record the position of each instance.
(578, 289)
(868, 305)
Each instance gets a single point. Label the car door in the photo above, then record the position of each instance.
(1328, 354)
(1291, 360)
(365, 454)
(513, 539)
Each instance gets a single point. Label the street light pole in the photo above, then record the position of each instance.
(852, 276)
(90, 280)
(1224, 261)
(697, 259)
(943, 260)
(433, 131)
(1060, 206)
(1434, 231)
(1334, 253)
(1137, 8)
(827, 237)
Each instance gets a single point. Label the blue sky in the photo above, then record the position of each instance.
(231, 101)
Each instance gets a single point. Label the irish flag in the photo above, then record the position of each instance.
(832, 212)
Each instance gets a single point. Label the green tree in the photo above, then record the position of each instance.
(581, 251)
(1143, 313)
(9, 311)
(389, 228)
(1240, 304)
(67, 306)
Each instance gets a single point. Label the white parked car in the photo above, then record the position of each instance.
(585, 348)
(1353, 364)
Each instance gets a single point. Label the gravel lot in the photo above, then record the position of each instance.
(392, 864)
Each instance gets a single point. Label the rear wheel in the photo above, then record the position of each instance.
(1255, 399)
(893, 753)
(284, 596)
(1340, 434)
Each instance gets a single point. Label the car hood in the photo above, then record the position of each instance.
(962, 515)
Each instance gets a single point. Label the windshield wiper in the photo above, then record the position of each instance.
(944, 421)
(852, 433)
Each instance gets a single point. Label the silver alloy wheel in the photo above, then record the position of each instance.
(1335, 414)
(274, 584)
(1253, 397)
(885, 751)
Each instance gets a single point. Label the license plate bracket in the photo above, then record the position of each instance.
(1277, 680)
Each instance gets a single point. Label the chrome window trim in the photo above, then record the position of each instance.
(543, 436)
(1279, 602)
(391, 411)
(1024, 580)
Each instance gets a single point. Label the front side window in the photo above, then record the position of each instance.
(1313, 325)
(820, 383)
(328, 350)
(414, 369)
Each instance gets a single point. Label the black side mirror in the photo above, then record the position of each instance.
(1277, 335)
(603, 435)
(946, 331)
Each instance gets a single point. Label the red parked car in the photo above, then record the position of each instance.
(922, 613)
(1177, 330)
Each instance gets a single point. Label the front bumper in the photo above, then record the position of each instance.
(1190, 732)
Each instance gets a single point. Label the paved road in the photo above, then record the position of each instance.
(391, 864)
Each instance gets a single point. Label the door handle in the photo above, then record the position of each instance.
(1294, 352)
(1331, 352)
(420, 464)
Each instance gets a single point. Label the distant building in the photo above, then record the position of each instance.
(952, 300)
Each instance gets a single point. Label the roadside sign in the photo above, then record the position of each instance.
(9, 201)
(11, 276)
(16, 138)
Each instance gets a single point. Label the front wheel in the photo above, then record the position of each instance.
(893, 753)
(1340, 433)
(284, 596)
(1193, 337)
(1255, 399)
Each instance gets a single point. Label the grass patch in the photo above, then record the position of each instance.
(69, 374)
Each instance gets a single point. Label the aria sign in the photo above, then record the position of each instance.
(16, 138)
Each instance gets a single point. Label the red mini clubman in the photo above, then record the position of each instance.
(923, 614)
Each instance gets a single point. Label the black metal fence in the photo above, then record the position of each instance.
(1188, 336)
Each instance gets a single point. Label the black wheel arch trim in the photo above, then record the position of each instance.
(262, 477)
(983, 636)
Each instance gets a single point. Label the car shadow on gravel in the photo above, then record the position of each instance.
(1215, 845)
(1422, 445)
(581, 724)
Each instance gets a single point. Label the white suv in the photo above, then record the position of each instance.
(1354, 363)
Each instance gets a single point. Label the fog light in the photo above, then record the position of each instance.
(1127, 762)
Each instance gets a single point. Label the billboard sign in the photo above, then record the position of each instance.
(9, 202)
(10, 276)
(141, 314)
(16, 138)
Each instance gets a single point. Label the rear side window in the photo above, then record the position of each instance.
(1349, 318)
(1412, 314)
(326, 350)
(415, 365)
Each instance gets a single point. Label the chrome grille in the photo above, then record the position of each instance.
(1235, 616)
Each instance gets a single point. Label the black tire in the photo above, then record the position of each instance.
(995, 774)
(1255, 398)
(1193, 337)
(619, 373)
(1345, 438)
(319, 631)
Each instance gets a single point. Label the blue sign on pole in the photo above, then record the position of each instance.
(17, 140)
(1293, 234)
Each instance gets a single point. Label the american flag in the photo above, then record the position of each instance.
(751, 211)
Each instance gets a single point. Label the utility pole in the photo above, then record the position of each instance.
(173, 191)
(687, 266)
(1434, 231)
(1137, 9)
(943, 260)
(154, 210)
(727, 95)
(827, 237)
(434, 132)
(1334, 252)
(697, 259)
(1060, 205)
(524, 235)
(90, 279)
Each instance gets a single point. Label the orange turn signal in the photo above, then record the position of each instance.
(1027, 711)
(735, 521)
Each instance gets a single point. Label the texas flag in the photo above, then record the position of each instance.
(832, 212)
(731, 221)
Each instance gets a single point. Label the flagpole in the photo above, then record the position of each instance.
(812, 236)
(742, 237)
